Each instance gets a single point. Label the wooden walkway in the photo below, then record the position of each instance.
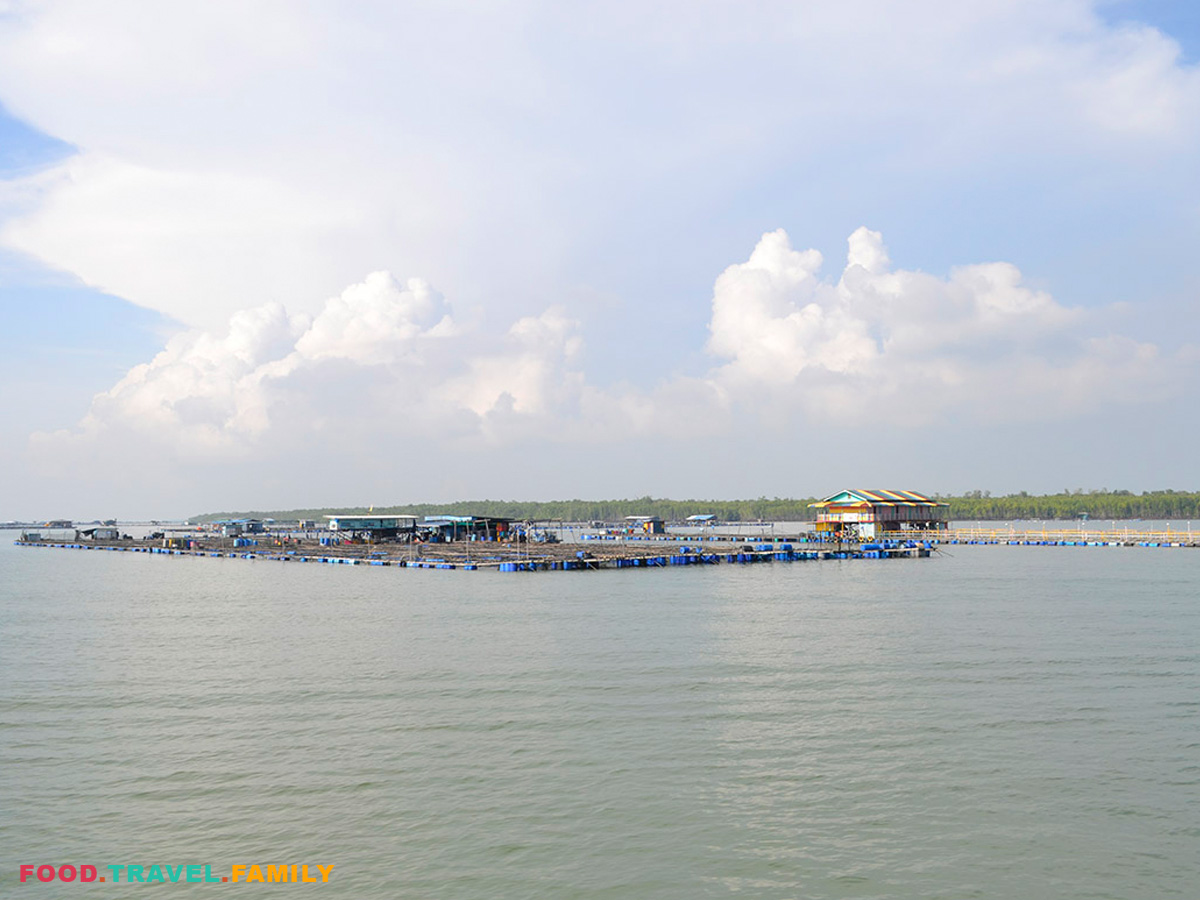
(1062, 537)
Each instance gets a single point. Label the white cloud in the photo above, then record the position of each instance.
(201, 393)
(377, 321)
(884, 345)
(385, 363)
(1141, 87)
(231, 152)
(211, 396)
(239, 164)
(766, 318)
(529, 376)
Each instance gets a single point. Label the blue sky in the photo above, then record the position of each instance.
(1181, 20)
(553, 255)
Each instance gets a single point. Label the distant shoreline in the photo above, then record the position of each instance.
(976, 506)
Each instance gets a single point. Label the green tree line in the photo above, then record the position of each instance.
(976, 505)
(1164, 504)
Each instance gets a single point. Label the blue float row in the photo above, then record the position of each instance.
(685, 556)
(1034, 543)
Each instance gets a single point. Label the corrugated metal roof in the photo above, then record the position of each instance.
(877, 497)
(464, 520)
(373, 516)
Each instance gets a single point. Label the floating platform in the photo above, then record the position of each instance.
(606, 551)
(472, 556)
(1042, 537)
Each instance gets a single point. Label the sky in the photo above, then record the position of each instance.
(269, 255)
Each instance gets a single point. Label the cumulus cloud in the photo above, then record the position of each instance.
(211, 394)
(884, 344)
(377, 321)
(385, 363)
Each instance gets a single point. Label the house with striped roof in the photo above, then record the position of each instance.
(866, 514)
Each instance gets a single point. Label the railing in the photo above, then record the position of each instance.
(1083, 533)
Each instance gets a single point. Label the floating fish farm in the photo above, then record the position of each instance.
(601, 552)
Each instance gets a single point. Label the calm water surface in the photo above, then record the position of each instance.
(1000, 723)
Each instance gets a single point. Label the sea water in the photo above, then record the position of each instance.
(998, 722)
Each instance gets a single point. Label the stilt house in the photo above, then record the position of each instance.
(862, 514)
